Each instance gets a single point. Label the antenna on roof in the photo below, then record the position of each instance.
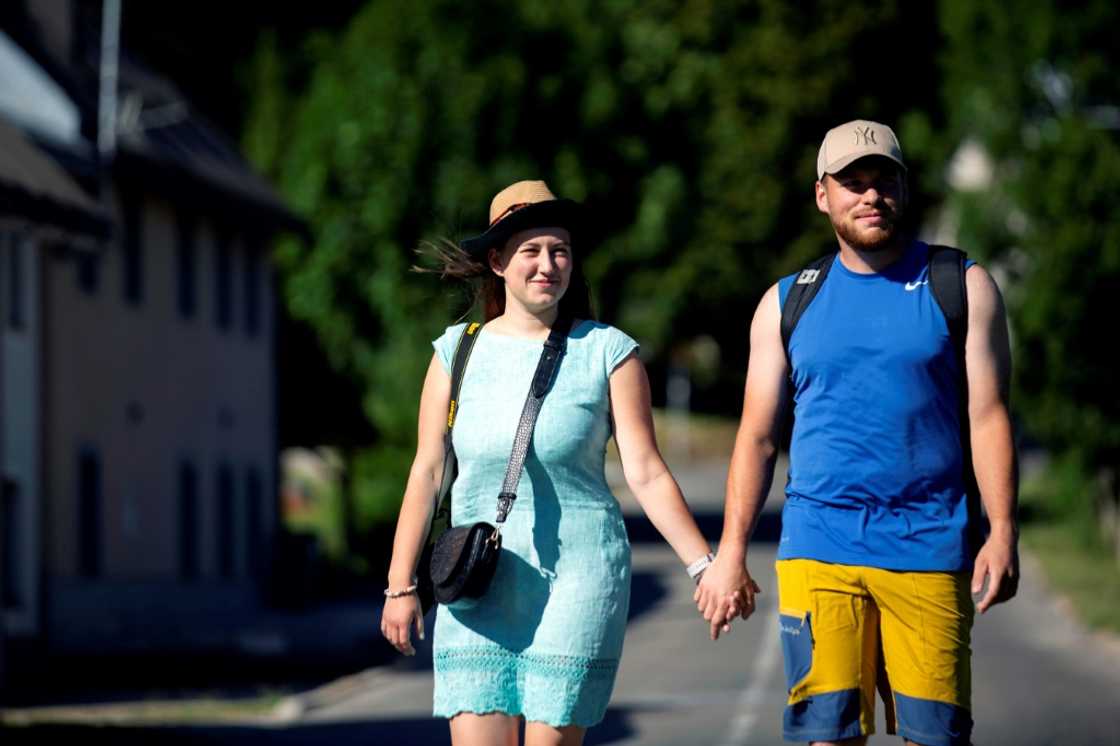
(107, 100)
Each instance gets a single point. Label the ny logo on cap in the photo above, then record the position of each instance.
(865, 136)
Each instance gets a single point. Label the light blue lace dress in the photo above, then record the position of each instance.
(545, 640)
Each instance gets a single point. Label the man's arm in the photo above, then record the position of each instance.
(751, 469)
(988, 367)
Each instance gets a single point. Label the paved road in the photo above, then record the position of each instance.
(1039, 678)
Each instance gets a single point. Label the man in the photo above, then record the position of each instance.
(875, 551)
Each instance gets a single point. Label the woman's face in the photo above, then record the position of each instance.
(536, 265)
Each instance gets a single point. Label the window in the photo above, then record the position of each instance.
(16, 283)
(186, 262)
(252, 292)
(89, 513)
(253, 517)
(225, 528)
(88, 271)
(133, 254)
(11, 590)
(223, 276)
(188, 521)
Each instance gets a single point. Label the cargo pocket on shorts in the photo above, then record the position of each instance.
(797, 646)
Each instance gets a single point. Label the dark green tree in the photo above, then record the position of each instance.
(691, 129)
(1034, 85)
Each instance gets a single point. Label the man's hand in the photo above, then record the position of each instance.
(998, 560)
(725, 591)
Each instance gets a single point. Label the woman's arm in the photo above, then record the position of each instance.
(751, 469)
(646, 473)
(401, 613)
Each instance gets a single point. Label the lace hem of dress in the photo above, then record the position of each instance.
(489, 659)
(557, 690)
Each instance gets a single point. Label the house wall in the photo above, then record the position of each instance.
(20, 420)
(135, 390)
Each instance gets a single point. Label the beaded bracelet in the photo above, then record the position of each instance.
(397, 594)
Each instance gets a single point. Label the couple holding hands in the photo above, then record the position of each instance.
(899, 397)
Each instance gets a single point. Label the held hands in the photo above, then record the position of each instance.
(397, 619)
(725, 590)
(998, 560)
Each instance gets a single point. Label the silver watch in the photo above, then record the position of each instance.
(697, 568)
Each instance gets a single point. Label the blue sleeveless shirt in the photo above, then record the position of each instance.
(875, 458)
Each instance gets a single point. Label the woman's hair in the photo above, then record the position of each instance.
(451, 262)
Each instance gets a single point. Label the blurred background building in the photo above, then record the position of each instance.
(137, 366)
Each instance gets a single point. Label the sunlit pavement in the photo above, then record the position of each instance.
(1039, 678)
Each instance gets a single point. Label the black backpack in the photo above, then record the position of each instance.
(946, 279)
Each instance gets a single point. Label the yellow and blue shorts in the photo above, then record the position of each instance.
(847, 630)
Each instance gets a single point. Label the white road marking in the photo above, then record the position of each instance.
(749, 703)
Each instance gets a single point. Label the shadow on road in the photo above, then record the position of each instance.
(106, 679)
(615, 727)
(641, 531)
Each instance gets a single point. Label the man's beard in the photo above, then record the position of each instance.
(884, 239)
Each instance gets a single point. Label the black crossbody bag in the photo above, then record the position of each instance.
(460, 562)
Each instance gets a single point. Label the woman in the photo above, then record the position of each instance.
(544, 642)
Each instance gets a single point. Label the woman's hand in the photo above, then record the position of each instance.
(725, 590)
(397, 619)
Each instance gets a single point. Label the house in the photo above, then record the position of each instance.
(40, 207)
(139, 413)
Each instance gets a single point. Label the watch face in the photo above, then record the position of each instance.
(696, 568)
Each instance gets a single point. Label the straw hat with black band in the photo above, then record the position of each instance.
(518, 207)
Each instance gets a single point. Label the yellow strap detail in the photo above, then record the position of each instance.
(451, 415)
(473, 328)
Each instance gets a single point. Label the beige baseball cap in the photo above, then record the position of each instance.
(853, 140)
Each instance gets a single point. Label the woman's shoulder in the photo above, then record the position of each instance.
(594, 330)
(446, 343)
(454, 331)
(450, 336)
(616, 344)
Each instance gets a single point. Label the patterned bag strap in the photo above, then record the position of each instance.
(553, 350)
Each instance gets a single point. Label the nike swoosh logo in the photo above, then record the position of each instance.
(915, 285)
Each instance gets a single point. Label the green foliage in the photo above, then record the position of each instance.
(1063, 530)
(1056, 495)
(325, 521)
(378, 484)
(690, 128)
(1033, 83)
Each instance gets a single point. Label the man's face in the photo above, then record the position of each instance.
(865, 202)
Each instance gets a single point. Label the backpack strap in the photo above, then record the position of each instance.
(801, 294)
(946, 280)
(947, 267)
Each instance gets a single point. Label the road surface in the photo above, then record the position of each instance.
(1039, 678)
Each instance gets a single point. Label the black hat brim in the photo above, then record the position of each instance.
(562, 213)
